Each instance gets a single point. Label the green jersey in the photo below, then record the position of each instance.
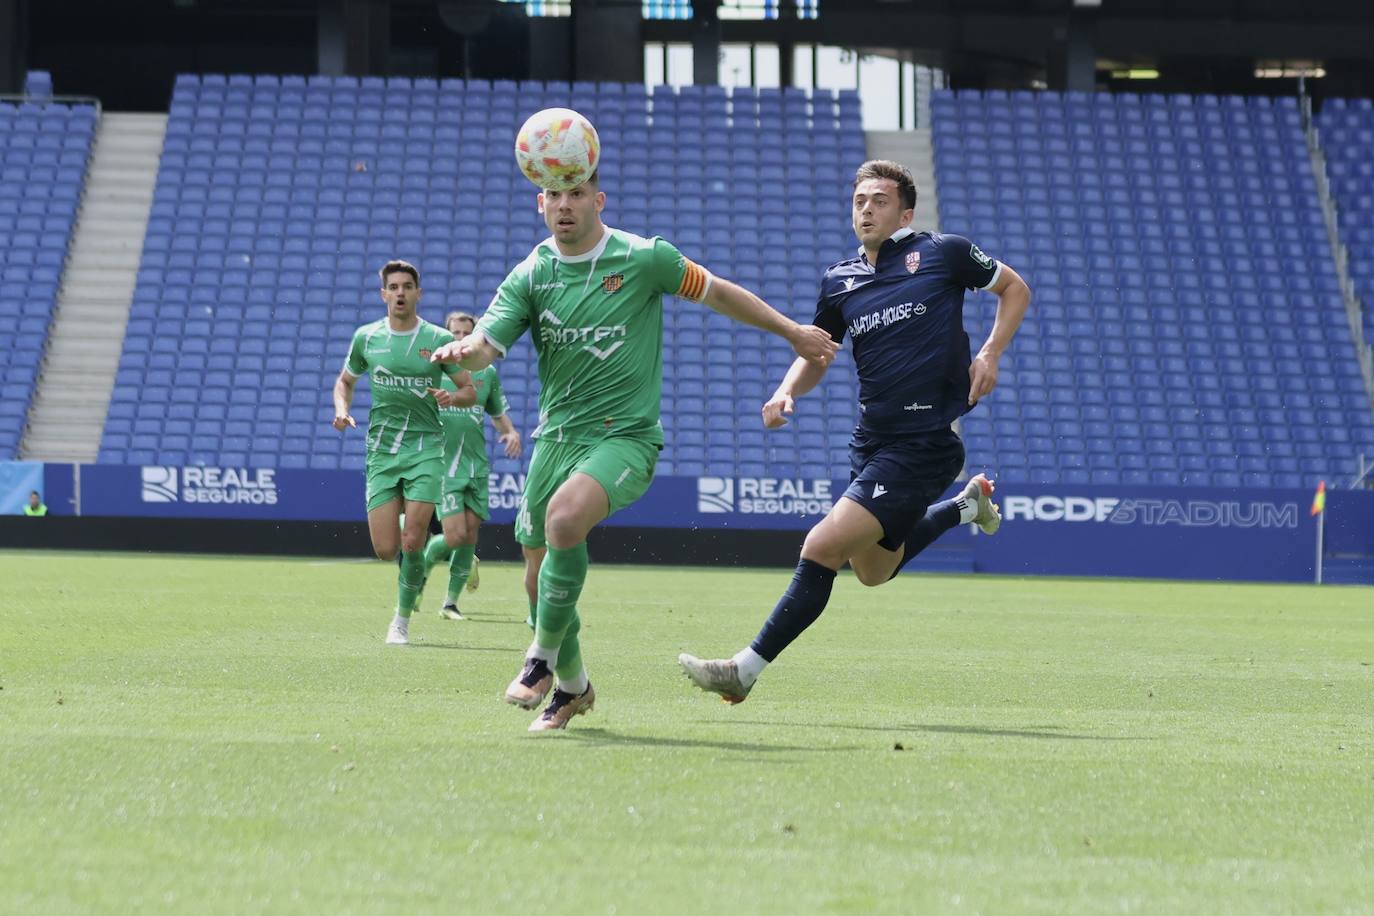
(404, 419)
(465, 438)
(596, 321)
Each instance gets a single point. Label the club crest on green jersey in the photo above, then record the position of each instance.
(612, 283)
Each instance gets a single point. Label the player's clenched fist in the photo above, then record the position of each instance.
(445, 397)
(344, 422)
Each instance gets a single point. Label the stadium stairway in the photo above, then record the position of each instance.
(913, 149)
(68, 409)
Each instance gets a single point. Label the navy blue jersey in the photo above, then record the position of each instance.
(906, 320)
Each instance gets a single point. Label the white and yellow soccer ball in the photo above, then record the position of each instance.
(557, 149)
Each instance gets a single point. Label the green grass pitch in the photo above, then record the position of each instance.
(231, 735)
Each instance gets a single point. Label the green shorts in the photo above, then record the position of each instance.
(412, 477)
(624, 467)
(465, 494)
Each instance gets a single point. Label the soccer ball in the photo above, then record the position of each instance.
(557, 149)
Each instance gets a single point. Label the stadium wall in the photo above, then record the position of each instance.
(1051, 529)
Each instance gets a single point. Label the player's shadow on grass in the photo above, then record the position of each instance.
(1033, 731)
(464, 648)
(500, 619)
(604, 737)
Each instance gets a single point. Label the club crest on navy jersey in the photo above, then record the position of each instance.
(913, 261)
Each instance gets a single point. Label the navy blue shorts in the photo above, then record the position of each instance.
(897, 481)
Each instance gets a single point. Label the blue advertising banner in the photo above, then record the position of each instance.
(1350, 522)
(751, 503)
(212, 492)
(17, 480)
(301, 495)
(1182, 533)
(1194, 533)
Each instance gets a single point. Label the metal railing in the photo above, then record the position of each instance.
(1354, 308)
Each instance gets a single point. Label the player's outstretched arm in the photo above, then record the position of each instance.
(472, 353)
(733, 301)
(343, 401)
(801, 377)
(1013, 298)
(509, 435)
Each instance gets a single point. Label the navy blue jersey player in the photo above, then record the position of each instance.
(901, 302)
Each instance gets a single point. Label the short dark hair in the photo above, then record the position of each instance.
(894, 171)
(34, 493)
(458, 314)
(399, 267)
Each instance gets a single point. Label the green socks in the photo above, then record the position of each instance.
(569, 664)
(410, 581)
(436, 551)
(459, 568)
(560, 585)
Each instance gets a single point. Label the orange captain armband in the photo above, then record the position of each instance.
(695, 281)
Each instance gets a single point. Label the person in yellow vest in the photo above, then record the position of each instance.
(35, 507)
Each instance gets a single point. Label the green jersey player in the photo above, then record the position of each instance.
(592, 299)
(405, 437)
(463, 503)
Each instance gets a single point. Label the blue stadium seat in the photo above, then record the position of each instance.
(1114, 164)
(43, 150)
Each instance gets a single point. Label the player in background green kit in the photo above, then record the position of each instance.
(463, 505)
(592, 299)
(405, 437)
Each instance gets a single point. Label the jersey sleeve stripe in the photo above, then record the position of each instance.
(695, 280)
(996, 275)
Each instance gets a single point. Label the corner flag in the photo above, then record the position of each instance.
(1319, 501)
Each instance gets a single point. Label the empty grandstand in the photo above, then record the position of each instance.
(277, 199)
(1188, 325)
(43, 152)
